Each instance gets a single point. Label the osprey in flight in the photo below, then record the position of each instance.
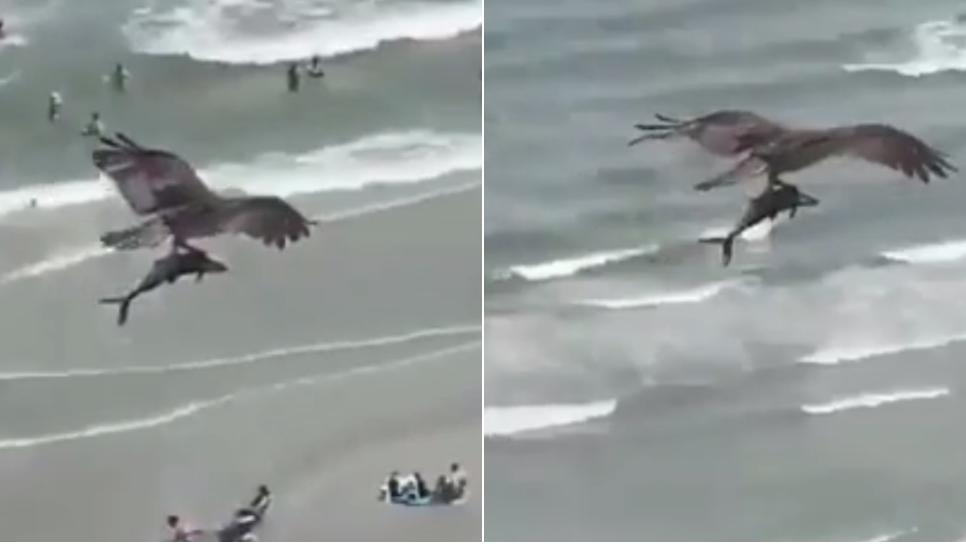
(164, 187)
(774, 149)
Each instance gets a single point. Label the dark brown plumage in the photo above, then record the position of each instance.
(725, 132)
(162, 185)
(794, 150)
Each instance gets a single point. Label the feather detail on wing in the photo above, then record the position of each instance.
(150, 180)
(893, 148)
(150, 233)
(269, 219)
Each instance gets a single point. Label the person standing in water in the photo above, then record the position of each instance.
(53, 107)
(94, 127)
(315, 67)
(119, 77)
(293, 77)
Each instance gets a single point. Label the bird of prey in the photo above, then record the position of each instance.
(724, 133)
(164, 187)
(795, 150)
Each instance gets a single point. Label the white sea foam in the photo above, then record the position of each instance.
(397, 203)
(844, 354)
(265, 32)
(939, 48)
(195, 407)
(68, 258)
(395, 157)
(59, 261)
(892, 536)
(940, 252)
(9, 78)
(872, 400)
(562, 268)
(510, 420)
(13, 40)
(247, 358)
(684, 296)
(114, 427)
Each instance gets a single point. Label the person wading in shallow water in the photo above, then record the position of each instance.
(293, 77)
(315, 67)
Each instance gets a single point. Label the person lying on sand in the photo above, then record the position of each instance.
(241, 527)
(180, 532)
(167, 270)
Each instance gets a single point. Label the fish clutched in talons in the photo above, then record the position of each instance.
(777, 198)
(168, 269)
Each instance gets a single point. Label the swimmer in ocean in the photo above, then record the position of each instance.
(94, 127)
(293, 77)
(315, 67)
(53, 106)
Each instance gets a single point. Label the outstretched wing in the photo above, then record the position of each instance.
(891, 147)
(731, 132)
(150, 180)
(725, 133)
(266, 218)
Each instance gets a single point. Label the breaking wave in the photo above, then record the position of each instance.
(13, 40)
(59, 261)
(396, 157)
(686, 296)
(247, 358)
(894, 535)
(836, 355)
(511, 420)
(939, 47)
(562, 268)
(195, 407)
(270, 31)
(940, 252)
(872, 400)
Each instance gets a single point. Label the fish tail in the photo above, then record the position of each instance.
(727, 246)
(125, 305)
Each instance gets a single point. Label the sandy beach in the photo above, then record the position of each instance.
(371, 363)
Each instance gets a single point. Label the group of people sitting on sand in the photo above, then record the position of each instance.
(411, 489)
(239, 529)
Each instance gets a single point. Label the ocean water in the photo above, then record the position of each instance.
(635, 388)
(265, 374)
